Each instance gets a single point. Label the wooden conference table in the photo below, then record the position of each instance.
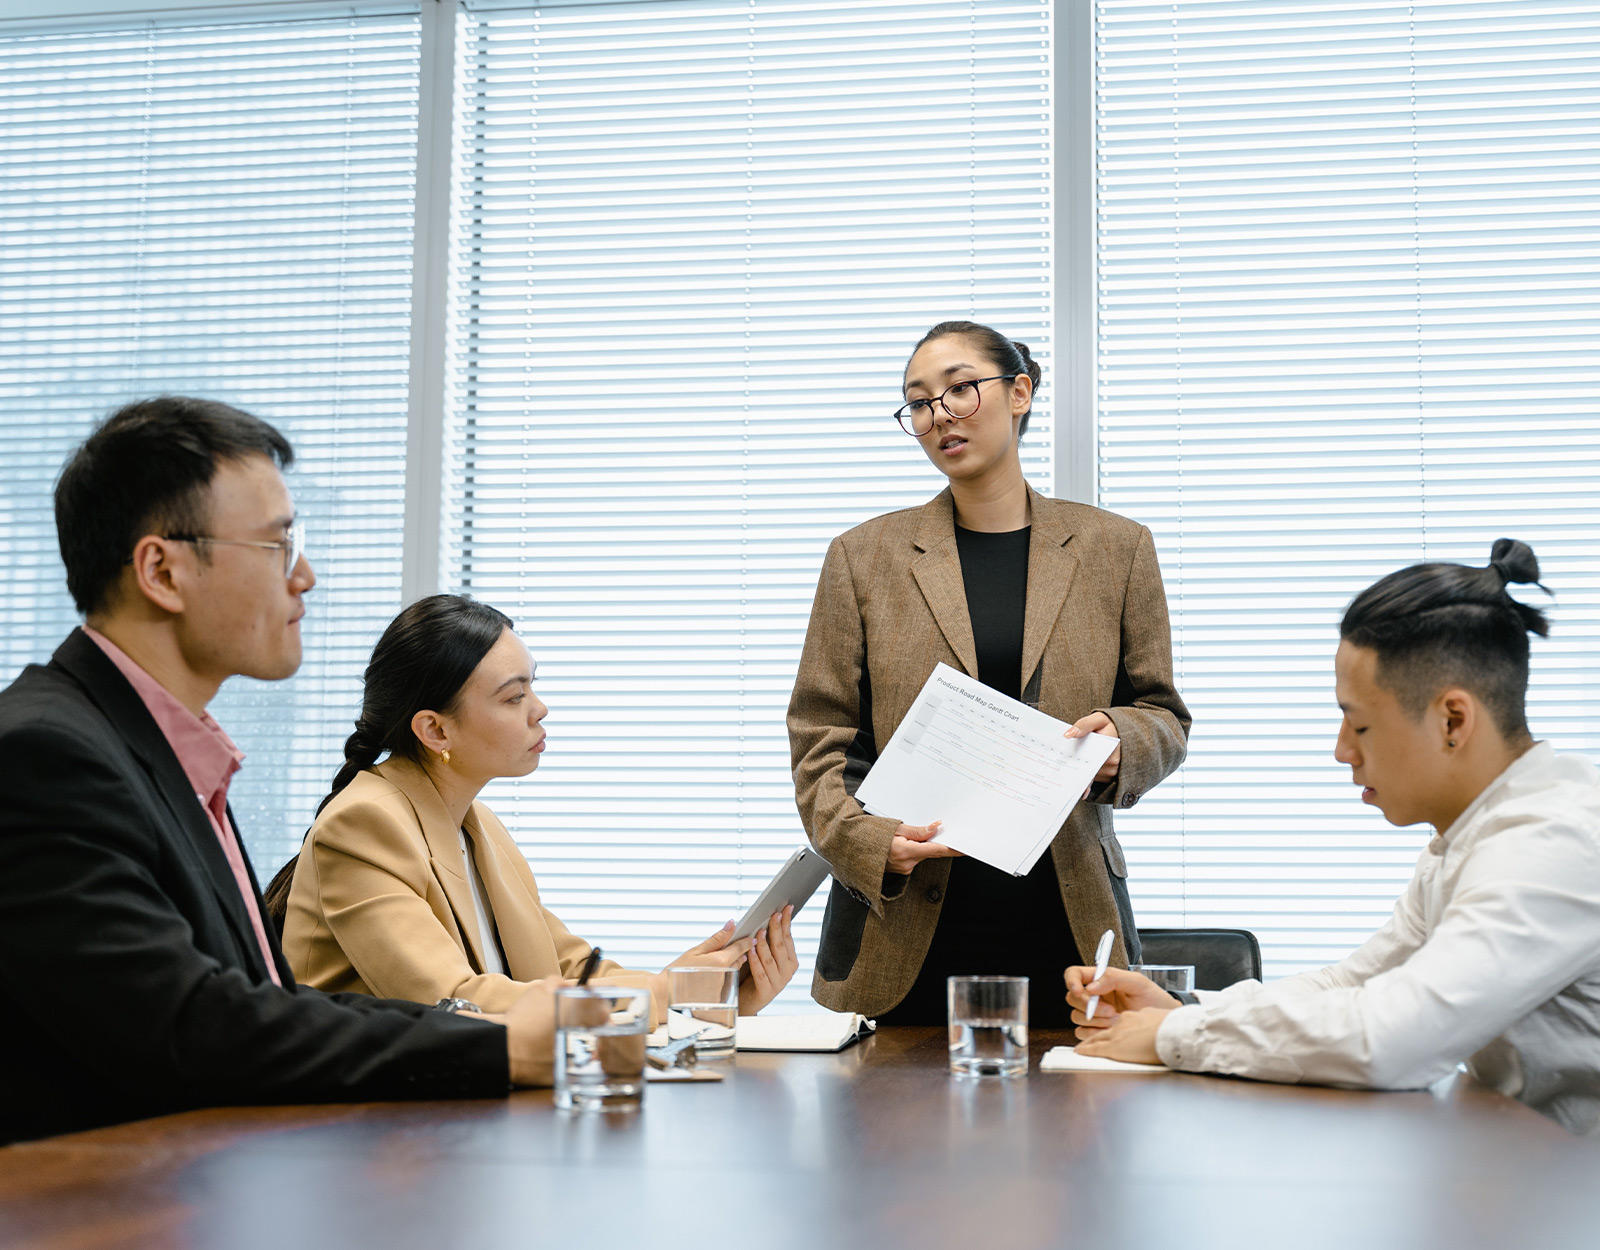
(874, 1147)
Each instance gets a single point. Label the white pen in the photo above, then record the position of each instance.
(1102, 956)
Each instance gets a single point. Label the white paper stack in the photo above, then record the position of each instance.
(999, 774)
(1067, 1059)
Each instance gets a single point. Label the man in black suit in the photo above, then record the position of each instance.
(132, 947)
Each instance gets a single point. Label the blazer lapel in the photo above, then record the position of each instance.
(1051, 566)
(444, 847)
(110, 691)
(286, 976)
(937, 571)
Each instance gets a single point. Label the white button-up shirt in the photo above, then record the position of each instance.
(1492, 956)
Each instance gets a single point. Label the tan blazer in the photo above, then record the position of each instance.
(890, 605)
(381, 904)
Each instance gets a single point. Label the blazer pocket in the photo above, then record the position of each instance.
(843, 923)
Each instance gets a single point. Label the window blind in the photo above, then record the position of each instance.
(695, 243)
(222, 210)
(1348, 321)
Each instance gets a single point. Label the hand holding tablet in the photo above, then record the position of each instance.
(793, 886)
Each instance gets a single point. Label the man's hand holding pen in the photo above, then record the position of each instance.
(1126, 1019)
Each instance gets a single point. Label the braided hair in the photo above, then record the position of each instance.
(421, 663)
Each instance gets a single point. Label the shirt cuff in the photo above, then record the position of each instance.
(1178, 1038)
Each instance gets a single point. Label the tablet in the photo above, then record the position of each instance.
(795, 883)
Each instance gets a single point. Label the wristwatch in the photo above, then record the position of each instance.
(452, 1005)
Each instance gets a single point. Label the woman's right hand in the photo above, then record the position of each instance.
(911, 846)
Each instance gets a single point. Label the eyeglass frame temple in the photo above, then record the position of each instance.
(293, 547)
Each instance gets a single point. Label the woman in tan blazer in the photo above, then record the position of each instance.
(1055, 603)
(407, 886)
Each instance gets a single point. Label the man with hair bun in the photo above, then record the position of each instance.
(1492, 955)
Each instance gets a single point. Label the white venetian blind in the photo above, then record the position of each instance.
(695, 244)
(1349, 320)
(221, 210)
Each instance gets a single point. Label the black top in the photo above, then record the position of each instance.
(993, 923)
(127, 955)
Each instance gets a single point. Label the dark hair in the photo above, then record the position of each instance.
(1438, 625)
(1009, 356)
(145, 470)
(421, 663)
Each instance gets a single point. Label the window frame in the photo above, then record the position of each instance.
(425, 512)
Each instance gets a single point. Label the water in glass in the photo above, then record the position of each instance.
(988, 1025)
(600, 1066)
(981, 1047)
(718, 1023)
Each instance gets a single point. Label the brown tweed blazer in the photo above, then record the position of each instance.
(890, 605)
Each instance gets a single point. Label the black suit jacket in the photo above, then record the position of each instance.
(128, 965)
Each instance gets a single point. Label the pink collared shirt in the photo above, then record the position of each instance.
(209, 759)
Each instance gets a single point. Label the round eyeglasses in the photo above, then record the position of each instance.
(960, 399)
(293, 547)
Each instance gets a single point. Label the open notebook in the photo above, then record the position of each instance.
(818, 1032)
(821, 1032)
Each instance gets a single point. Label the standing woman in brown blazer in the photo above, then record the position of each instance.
(408, 886)
(1055, 603)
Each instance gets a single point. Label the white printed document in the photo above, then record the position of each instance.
(1000, 775)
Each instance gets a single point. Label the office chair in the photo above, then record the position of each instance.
(1220, 956)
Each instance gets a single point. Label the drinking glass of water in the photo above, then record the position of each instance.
(988, 1026)
(600, 1038)
(1174, 978)
(705, 1003)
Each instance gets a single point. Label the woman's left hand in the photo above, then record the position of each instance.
(772, 963)
(1100, 723)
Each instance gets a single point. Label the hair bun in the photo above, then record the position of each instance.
(1514, 561)
(1035, 373)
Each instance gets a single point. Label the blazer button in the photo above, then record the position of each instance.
(933, 895)
(1129, 799)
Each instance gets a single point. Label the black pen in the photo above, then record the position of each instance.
(589, 965)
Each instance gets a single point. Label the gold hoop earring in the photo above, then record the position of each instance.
(445, 755)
